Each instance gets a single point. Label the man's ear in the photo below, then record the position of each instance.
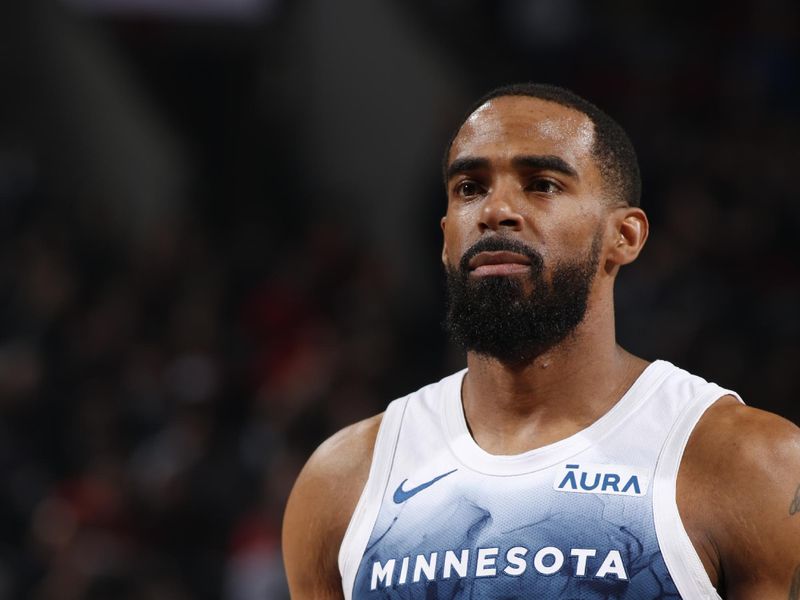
(630, 234)
(443, 223)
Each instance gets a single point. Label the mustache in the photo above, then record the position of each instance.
(498, 244)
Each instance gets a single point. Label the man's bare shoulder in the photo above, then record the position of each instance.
(336, 472)
(733, 442)
(320, 507)
(345, 456)
(739, 491)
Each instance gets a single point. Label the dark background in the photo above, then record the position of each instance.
(220, 244)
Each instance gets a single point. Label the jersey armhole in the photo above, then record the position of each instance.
(680, 556)
(366, 512)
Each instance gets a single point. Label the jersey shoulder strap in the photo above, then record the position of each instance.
(679, 554)
(369, 503)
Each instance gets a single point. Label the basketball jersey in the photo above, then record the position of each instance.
(591, 516)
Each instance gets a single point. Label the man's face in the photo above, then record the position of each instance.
(524, 227)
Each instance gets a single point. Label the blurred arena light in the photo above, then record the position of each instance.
(234, 10)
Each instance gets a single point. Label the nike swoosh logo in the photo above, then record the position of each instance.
(401, 495)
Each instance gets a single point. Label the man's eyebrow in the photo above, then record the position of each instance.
(464, 165)
(541, 162)
(546, 162)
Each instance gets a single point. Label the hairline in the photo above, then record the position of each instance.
(525, 96)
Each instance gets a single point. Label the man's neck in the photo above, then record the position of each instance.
(512, 409)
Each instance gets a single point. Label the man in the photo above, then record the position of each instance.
(557, 465)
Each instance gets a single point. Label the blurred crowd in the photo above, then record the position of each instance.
(166, 369)
(156, 411)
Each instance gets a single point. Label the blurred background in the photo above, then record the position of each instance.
(220, 244)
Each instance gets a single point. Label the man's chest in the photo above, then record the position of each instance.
(576, 532)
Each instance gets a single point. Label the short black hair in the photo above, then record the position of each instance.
(612, 148)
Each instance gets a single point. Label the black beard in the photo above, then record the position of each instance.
(494, 316)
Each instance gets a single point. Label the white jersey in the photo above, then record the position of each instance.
(591, 516)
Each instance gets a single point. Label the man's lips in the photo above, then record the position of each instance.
(499, 263)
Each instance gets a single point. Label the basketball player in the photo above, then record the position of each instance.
(557, 465)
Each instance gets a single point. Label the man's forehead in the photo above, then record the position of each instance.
(540, 125)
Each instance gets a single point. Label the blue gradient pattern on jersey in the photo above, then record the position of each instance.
(516, 512)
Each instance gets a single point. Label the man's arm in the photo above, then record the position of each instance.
(320, 507)
(739, 497)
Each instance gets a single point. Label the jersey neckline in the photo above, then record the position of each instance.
(472, 456)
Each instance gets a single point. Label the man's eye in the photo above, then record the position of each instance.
(467, 189)
(544, 186)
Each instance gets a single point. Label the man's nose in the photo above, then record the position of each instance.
(499, 211)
